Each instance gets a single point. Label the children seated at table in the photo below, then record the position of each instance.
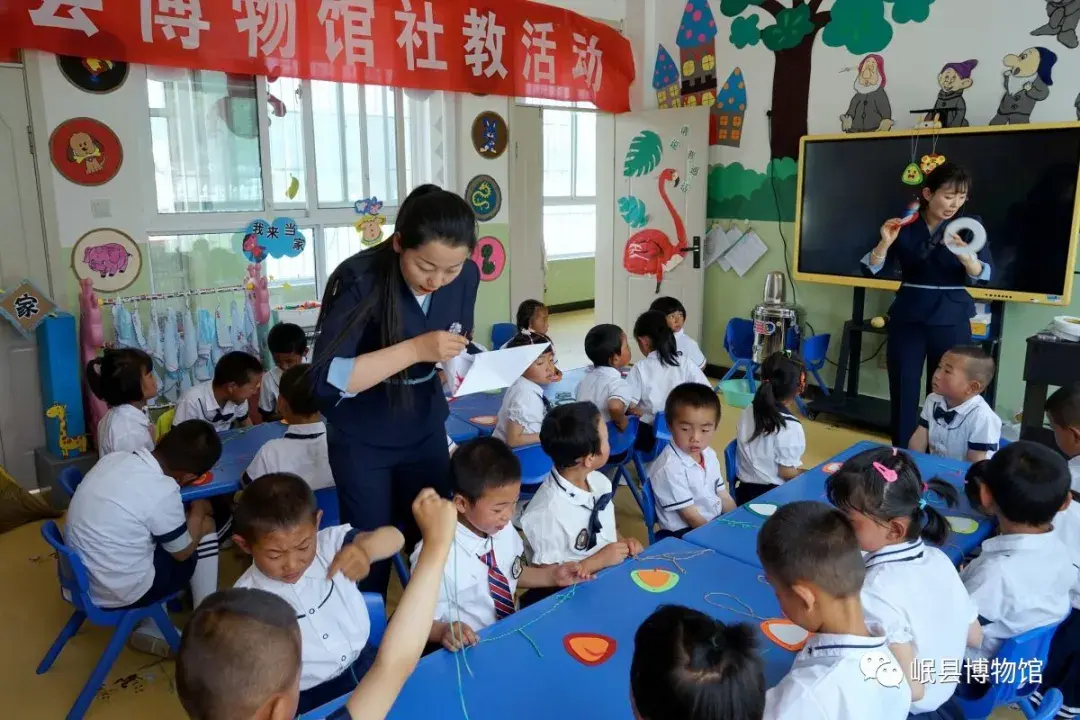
(603, 384)
(1063, 409)
(572, 516)
(689, 666)
(812, 561)
(956, 422)
(771, 441)
(288, 346)
(1062, 668)
(240, 655)
(912, 592)
(124, 379)
(675, 313)
(686, 479)
(523, 405)
(223, 401)
(302, 451)
(315, 571)
(487, 564)
(531, 318)
(653, 378)
(128, 524)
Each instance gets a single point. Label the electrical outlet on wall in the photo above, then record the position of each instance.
(100, 209)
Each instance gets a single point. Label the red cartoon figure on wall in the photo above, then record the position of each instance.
(651, 252)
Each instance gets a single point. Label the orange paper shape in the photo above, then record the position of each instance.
(654, 579)
(205, 478)
(486, 420)
(785, 633)
(589, 648)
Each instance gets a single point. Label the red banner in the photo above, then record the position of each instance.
(499, 47)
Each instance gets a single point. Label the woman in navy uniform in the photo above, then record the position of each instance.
(933, 309)
(389, 314)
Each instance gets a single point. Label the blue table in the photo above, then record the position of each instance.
(509, 670)
(479, 409)
(735, 533)
(459, 430)
(238, 448)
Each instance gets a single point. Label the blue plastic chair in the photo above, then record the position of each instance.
(731, 462)
(500, 333)
(623, 443)
(535, 468)
(814, 349)
(69, 480)
(642, 458)
(739, 343)
(75, 589)
(1030, 647)
(327, 500)
(648, 509)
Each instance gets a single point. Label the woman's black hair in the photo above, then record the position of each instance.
(652, 324)
(116, 377)
(428, 214)
(947, 174)
(781, 378)
(602, 343)
(689, 666)
(885, 484)
(525, 313)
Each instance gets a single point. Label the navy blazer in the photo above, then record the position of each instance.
(921, 258)
(368, 417)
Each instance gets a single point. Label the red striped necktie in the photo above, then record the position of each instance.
(498, 587)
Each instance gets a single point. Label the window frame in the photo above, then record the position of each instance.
(574, 198)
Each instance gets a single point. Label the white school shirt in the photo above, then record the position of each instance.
(334, 622)
(524, 404)
(826, 682)
(301, 451)
(975, 427)
(601, 384)
(759, 460)
(123, 509)
(688, 346)
(913, 594)
(556, 520)
(1019, 583)
(464, 593)
(199, 403)
(269, 391)
(124, 428)
(678, 482)
(1067, 530)
(651, 381)
(1074, 471)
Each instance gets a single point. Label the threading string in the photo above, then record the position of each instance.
(674, 558)
(748, 611)
(738, 523)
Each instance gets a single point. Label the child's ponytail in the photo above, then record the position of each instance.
(117, 376)
(781, 381)
(653, 326)
(935, 526)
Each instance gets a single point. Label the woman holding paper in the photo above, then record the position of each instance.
(389, 314)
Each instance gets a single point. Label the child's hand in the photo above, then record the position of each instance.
(615, 553)
(633, 546)
(458, 635)
(568, 574)
(352, 562)
(435, 516)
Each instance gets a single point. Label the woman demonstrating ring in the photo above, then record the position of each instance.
(389, 314)
(932, 310)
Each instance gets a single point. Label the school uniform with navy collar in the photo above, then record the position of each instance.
(125, 428)
(564, 523)
(688, 346)
(680, 482)
(930, 315)
(301, 451)
(269, 391)
(524, 404)
(1074, 471)
(913, 594)
(652, 380)
(602, 384)
(759, 460)
(1062, 669)
(953, 432)
(199, 403)
(333, 618)
(826, 682)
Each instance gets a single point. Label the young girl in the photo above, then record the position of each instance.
(604, 385)
(663, 368)
(912, 592)
(687, 665)
(771, 440)
(532, 317)
(124, 379)
(524, 405)
(675, 312)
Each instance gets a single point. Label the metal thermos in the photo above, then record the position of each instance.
(775, 320)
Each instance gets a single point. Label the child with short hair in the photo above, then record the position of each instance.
(771, 441)
(812, 561)
(488, 562)
(689, 666)
(124, 380)
(240, 655)
(912, 591)
(523, 405)
(1063, 409)
(315, 571)
(302, 450)
(288, 346)
(603, 384)
(675, 313)
(128, 524)
(223, 401)
(956, 421)
(686, 479)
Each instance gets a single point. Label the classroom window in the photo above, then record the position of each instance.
(344, 241)
(569, 183)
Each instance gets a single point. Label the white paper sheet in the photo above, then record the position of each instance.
(498, 369)
(716, 243)
(746, 252)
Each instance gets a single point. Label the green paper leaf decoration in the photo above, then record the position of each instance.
(633, 211)
(644, 154)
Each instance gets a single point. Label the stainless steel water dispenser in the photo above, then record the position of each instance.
(774, 319)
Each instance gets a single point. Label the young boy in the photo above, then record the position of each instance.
(686, 478)
(604, 385)
(288, 346)
(956, 422)
(315, 571)
(128, 524)
(223, 401)
(240, 656)
(1022, 578)
(572, 517)
(1063, 409)
(302, 451)
(488, 565)
(675, 314)
(812, 561)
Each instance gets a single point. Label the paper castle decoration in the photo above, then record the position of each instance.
(666, 80)
(726, 123)
(697, 54)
